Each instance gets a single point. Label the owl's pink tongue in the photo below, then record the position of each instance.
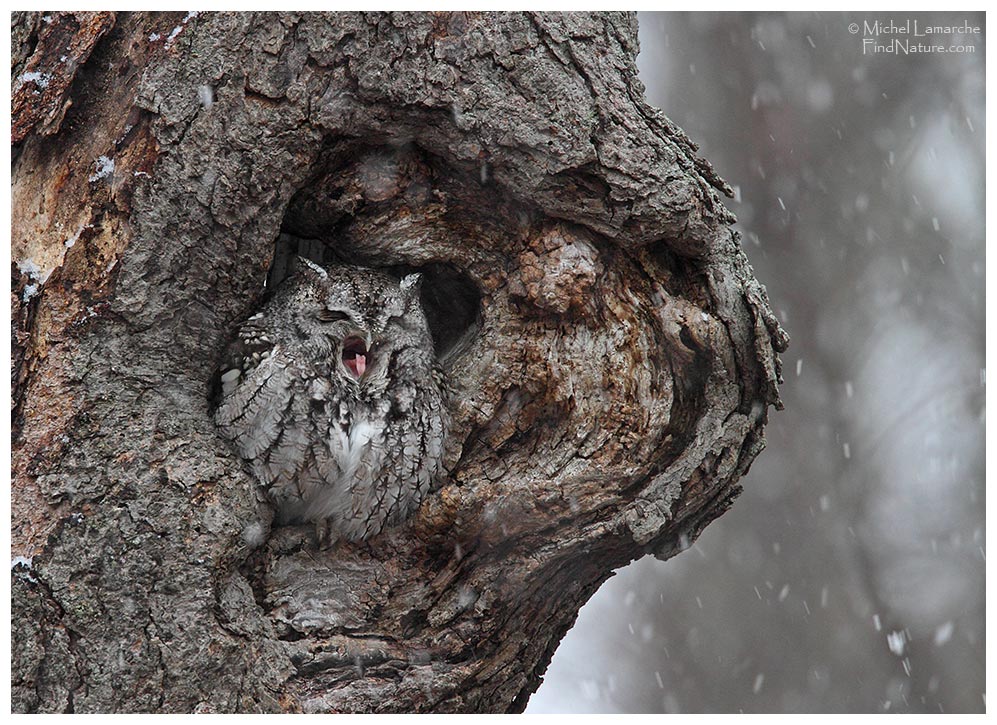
(355, 356)
(357, 365)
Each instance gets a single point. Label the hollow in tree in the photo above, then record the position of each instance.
(609, 355)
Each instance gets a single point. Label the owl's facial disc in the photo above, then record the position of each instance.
(355, 355)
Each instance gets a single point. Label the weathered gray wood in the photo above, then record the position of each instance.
(610, 393)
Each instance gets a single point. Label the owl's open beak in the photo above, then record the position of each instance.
(355, 355)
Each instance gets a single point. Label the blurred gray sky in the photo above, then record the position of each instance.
(849, 576)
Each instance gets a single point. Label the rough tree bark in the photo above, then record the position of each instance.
(618, 358)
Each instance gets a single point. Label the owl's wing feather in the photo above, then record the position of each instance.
(259, 413)
(288, 457)
(249, 396)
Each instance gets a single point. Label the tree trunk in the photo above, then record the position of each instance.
(611, 355)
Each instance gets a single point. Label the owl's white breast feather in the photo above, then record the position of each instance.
(362, 432)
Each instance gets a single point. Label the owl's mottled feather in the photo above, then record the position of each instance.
(333, 394)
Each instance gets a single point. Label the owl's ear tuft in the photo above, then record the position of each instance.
(410, 286)
(307, 270)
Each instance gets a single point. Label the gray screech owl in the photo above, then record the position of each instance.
(333, 394)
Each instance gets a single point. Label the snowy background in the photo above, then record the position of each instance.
(849, 576)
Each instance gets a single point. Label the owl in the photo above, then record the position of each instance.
(333, 395)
